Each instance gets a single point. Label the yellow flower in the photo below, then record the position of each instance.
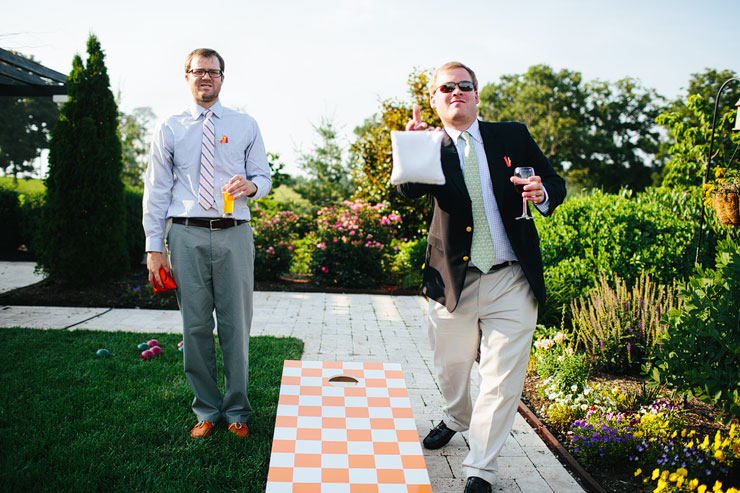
(702, 489)
(683, 433)
(732, 490)
(705, 443)
(690, 444)
(673, 477)
(719, 173)
(673, 435)
(638, 472)
(717, 486)
(718, 437)
(682, 472)
(679, 483)
(719, 455)
(693, 483)
(661, 486)
(664, 475)
(655, 475)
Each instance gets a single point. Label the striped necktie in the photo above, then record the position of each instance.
(481, 251)
(207, 169)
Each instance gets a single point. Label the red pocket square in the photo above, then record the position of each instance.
(168, 282)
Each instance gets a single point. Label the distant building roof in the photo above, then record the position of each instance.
(22, 77)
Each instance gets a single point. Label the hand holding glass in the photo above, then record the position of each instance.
(228, 200)
(525, 173)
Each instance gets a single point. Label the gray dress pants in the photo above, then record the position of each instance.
(214, 270)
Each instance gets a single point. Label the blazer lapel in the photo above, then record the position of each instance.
(451, 165)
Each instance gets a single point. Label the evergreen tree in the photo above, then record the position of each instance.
(328, 179)
(83, 228)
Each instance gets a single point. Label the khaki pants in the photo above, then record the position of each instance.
(499, 310)
(214, 271)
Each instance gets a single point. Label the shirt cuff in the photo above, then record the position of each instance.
(544, 206)
(154, 245)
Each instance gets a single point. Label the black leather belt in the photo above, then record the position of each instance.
(498, 266)
(212, 224)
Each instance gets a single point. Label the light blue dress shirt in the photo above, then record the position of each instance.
(172, 178)
(501, 246)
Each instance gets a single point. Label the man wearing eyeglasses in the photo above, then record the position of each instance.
(196, 155)
(483, 271)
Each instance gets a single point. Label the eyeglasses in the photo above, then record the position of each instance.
(199, 72)
(465, 86)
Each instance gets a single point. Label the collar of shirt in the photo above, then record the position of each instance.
(473, 130)
(196, 110)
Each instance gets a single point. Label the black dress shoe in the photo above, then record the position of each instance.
(477, 485)
(438, 437)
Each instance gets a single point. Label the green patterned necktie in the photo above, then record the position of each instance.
(481, 252)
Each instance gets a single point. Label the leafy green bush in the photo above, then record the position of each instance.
(351, 244)
(701, 349)
(10, 219)
(408, 262)
(618, 327)
(275, 233)
(607, 234)
(135, 237)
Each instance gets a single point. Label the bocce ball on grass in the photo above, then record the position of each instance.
(143, 346)
(102, 353)
(152, 343)
(156, 350)
(147, 355)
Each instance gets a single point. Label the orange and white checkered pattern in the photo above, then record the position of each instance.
(345, 439)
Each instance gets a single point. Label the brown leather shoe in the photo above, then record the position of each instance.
(239, 429)
(202, 429)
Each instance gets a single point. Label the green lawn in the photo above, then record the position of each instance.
(71, 422)
(23, 185)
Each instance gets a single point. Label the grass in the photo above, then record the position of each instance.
(23, 185)
(72, 422)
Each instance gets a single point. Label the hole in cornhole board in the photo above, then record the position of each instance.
(343, 381)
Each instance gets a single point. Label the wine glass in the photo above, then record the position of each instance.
(523, 172)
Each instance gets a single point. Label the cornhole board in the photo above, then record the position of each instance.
(345, 427)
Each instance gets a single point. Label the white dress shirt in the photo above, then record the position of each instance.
(172, 177)
(501, 246)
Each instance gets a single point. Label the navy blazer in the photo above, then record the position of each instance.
(450, 233)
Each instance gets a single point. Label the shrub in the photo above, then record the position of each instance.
(408, 263)
(701, 349)
(32, 206)
(350, 248)
(555, 358)
(275, 233)
(135, 237)
(10, 219)
(618, 327)
(607, 234)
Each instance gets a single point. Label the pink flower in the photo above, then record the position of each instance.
(324, 269)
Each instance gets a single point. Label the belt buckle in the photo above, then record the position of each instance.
(210, 224)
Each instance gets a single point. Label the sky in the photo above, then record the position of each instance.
(291, 63)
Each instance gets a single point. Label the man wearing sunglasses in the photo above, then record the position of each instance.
(196, 155)
(483, 271)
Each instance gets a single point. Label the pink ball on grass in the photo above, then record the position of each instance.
(147, 355)
(153, 342)
(156, 350)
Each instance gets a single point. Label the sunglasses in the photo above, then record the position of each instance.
(465, 86)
